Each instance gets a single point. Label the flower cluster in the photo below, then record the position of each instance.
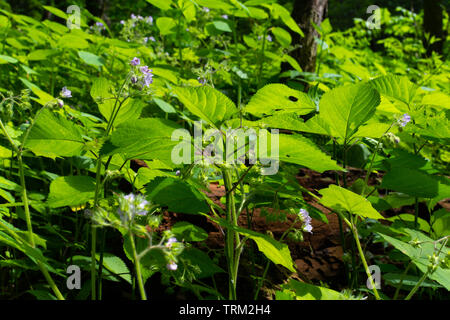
(404, 120)
(131, 205)
(172, 249)
(144, 76)
(306, 219)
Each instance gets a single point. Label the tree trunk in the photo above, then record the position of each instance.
(304, 12)
(432, 24)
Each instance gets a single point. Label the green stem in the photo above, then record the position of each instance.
(137, 265)
(397, 291)
(413, 291)
(232, 237)
(28, 215)
(363, 259)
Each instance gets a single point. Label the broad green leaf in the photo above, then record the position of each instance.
(188, 232)
(177, 195)
(346, 108)
(419, 255)
(206, 103)
(102, 92)
(282, 36)
(372, 130)
(57, 12)
(397, 87)
(145, 139)
(299, 150)
(287, 19)
(410, 181)
(199, 258)
(71, 191)
(394, 279)
(41, 54)
(91, 59)
(278, 97)
(306, 291)
(9, 185)
(5, 152)
(437, 99)
(72, 41)
(165, 25)
(276, 251)
(116, 265)
(164, 106)
(221, 26)
(7, 59)
(214, 4)
(344, 200)
(440, 222)
(7, 196)
(52, 135)
(161, 4)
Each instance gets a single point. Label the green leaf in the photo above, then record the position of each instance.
(71, 191)
(177, 195)
(7, 59)
(116, 265)
(52, 135)
(145, 139)
(41, 54)
(164, 106)
(206, 103)
(282, 36)
(437, 99)
(397, 87)
(278, 98)
(221, 26)
(189, 232)
(9, 185)
(341, 200)
(440, 222)
(299, 150)
(287, 19)
(276, 251)
(57, 12)
(196, 257)
(161, 4)
(72, 41)
(410, 181)
(165, 25)
(102, 92)
(419, 255)
(306, 291)
(346, 108)
(91, 59)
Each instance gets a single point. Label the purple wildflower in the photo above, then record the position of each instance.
(66, 93)
(306, 219)
(171, 241)
(145, 70)
(172, 266)
(133, 16)
(205, 9)
(148, 79)
(404, 120)
(134, 79)
(122, 22)
(149, 20)
(269, 38)
(99, 24)
(225, 17)
(152, 39)
(135, 61)
(145, 39)
(60, 103)
(201, 80)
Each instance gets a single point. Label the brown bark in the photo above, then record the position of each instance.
(432, 24)
(304, 12)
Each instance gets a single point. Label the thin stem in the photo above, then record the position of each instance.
(413, 291)
(397, 291)
(232, 237)
(137, 265)
(363, 259)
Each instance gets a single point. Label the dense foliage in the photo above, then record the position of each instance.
(93, 117)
